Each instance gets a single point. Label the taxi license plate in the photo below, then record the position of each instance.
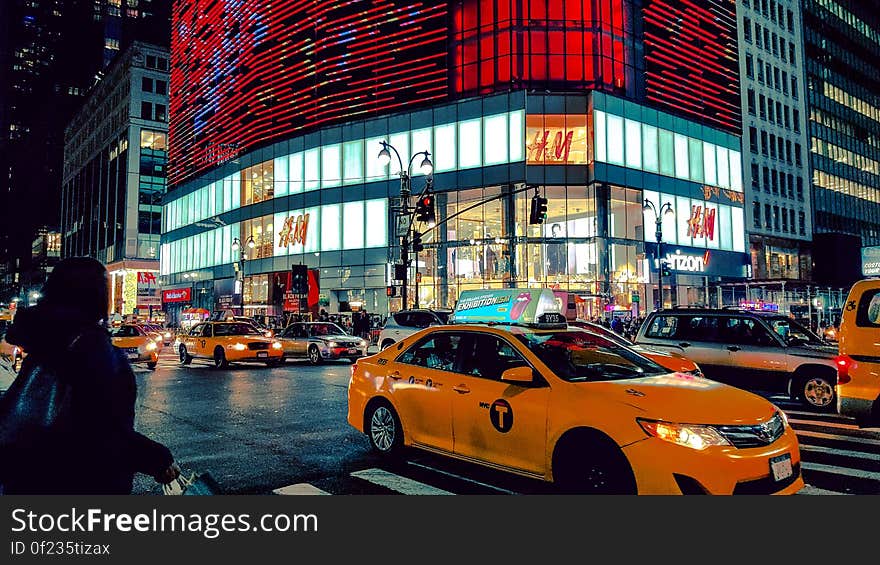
(262, 354)
(132, 353)
(780, 467)
(352, 351)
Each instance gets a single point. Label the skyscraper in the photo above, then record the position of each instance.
(52, 53)
(842, 54)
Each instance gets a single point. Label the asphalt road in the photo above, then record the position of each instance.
(259, 430)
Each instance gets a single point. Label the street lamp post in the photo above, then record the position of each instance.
(239, 270)
(427, 168)
(665, 209)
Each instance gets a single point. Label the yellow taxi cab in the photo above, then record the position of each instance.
(136, 344)
(229, 342)
(508, 385)
(671, 360)
(155, 335)
(858, 366)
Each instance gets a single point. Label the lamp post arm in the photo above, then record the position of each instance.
(386, 145)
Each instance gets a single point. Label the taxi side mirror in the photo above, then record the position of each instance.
(522, 375)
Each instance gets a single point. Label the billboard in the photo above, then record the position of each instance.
(871, 261)
(147, 290)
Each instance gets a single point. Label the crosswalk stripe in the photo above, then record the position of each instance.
(846, 471)
(847, 439)
(300, 489)
(811, 490)
(397, 483)
(823, 423)
(841, 452)
(459, 477)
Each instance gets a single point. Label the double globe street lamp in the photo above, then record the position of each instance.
(239, 265)
(665, 210)
(427, 169)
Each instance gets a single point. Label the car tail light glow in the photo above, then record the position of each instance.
(844, 364)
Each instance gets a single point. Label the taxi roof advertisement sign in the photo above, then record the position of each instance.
(506, 306)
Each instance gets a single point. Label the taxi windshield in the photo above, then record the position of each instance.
(126, 331)
(235, 329)
(325, 329)
(577, 356)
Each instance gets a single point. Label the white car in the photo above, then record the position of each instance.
(407, 322)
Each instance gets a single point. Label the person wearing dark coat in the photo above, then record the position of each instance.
(96, 450)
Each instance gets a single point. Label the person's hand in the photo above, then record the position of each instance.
(169, 474)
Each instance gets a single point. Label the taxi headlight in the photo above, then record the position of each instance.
(238, 346)
(276, 345)
(150, 346)
(689, 435)
(784, 417)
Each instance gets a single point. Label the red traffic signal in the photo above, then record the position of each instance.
(391, 291)
(425, 209)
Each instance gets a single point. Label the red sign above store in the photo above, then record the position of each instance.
(294, 230)
(177, 295)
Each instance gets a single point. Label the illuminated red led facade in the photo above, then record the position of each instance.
(691, 60)
(246, 73)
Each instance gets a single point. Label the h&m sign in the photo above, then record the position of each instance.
(294, 230)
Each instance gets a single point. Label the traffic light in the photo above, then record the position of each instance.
(425, 209)
(538, 212)
(299, 279)
(417, 246)
(391, 291)
(665, 270)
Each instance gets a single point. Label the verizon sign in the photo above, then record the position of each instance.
(177, 295)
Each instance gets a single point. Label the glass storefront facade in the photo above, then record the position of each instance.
(326, 201)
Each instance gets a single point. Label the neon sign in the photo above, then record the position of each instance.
(294, 230)
(678, 261)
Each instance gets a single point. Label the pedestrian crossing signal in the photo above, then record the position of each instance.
(538, 212)
(391, 291)
(417, 245)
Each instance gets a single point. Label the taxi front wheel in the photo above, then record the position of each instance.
(384, 430)
(589, 464)
(185, 358)
(220, 361)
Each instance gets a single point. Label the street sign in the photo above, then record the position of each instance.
(403, 224)
(635, 297)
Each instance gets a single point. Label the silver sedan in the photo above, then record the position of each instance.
(320, 341)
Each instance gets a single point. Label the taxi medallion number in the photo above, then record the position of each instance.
(781, 467)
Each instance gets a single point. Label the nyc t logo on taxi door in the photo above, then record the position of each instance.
(501, 415)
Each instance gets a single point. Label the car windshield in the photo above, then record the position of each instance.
(577, 355)
(791, 330)
(235, 329)
(444, 316)
(324, 329)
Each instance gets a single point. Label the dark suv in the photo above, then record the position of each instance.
(407, 322)
(753, 350)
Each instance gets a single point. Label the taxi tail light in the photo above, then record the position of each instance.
(844, 363)
(354, 367)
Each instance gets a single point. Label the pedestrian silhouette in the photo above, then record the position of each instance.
(67, 422)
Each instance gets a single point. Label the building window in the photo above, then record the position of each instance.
(796, 119)
(774, 175)
(790, 187)
(753, 139)
(760, 71)
(771, 115)
(146, 111)
(147, 84)
(790, 19)
(160, 112)
(776, 218)
(151, 61)
(751, 101)
(756, 212)
(788, 151)
(791, 219)
(787, 114)
(800, 190)
(155, 140)
(756, 176)
(797, 154)
(747, 29)
(772, 146)
(758, 36)
(161, 87)
(784, 219)
(162, 64)
(768, 217)
(794, 87)
(801, 220)
(791, 57)
(766, 175)
(750, 66)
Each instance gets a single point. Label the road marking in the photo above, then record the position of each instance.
(824, 424)
(820, 415)
(811, 490)
(834, 469)
(847, 439)
(300, 489)
(841, 452)
(397, 483)
(453, 475)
